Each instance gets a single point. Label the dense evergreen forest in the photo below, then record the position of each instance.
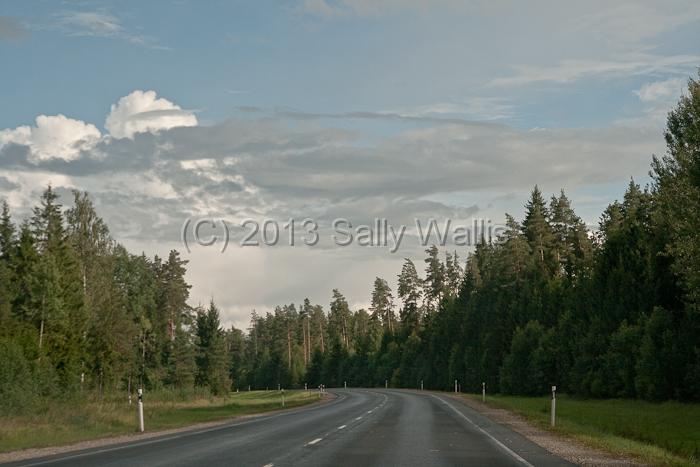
(609, 313)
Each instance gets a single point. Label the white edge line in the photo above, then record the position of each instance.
(341, 427)
(501, 445)
(269, 465)
(310, 443)
(160, 438)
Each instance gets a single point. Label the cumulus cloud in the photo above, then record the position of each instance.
(149, 175)
(54, 136)
(244, 168)
(143, 111)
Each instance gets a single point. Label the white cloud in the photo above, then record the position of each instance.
(568, 71)
(54, 136)
(61, 137)
(99, 24)
(478, 108)
(623, 24)
(143, 111)
(146, 186)
(657, 99)
(327, 9)
(666, 91)
(90, 23)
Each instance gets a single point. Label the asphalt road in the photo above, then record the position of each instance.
(360, 427)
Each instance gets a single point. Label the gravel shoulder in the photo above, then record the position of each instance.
(567, 448)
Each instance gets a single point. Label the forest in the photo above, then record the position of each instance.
(608, 313)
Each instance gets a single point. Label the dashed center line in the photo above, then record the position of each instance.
(359, 418)
(268, 465)
(310, 443)
(341, 427)
(369, 411)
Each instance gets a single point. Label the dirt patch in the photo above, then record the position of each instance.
(31, 453)
(567, 448)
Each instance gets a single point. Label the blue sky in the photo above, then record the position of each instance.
(403, 109)
(215, 56)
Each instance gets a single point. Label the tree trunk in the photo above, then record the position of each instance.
(289, 348)
(304, 343)
(320, 327)
(41, 333)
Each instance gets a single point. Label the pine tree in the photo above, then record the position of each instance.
(174, 292)
(338, 319)
(211, 356)
(453, 274)
(538, 231)
(7, 233)
(56, 291)
(573, 248)
(434, 279)
(7, 275)
(677, 214)
(409, 290)
(383, 304)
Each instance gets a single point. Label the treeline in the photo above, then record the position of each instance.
(610, 313)
(78, 312)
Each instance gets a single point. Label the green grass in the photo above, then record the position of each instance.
(657, 433)
(64, 423)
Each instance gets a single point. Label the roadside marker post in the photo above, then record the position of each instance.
(306, 387)
(140, 406)
(282, 397)
(455, 386)
(483, 392)
(421, 385)
(554, 405)
(386, 384)
(345, 384)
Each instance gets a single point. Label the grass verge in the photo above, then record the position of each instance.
(65, 423)
(665, 433)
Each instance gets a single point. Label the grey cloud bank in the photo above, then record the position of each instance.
(151, 172)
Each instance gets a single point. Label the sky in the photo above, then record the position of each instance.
(172, 112)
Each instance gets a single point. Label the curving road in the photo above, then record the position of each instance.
(360, 427)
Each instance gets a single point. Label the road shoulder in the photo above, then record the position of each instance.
(32, 453)
(559, 445)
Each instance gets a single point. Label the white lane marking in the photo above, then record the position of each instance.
(498, 443)
(268, 465)
(358, 418)
(311, 443)
(369, 411)
(161, 438)
(341, 427)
